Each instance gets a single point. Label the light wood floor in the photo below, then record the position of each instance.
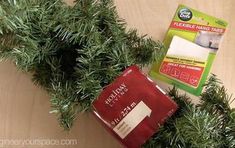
(24, 107)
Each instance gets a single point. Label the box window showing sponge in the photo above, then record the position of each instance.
(192, 40)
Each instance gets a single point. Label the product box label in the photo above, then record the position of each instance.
(192, 41)
(132, 107)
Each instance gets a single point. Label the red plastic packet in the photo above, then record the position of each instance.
(132, 107)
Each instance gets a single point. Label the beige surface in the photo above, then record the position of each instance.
(24, 107)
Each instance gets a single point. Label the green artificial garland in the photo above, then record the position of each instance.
(209, 124)
(74, 51)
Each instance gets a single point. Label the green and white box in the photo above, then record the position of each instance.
(192, 42)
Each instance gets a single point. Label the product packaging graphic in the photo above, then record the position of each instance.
(192, 40)
(133, 107)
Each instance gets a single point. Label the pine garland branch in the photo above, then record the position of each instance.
(73, 52)
(215, 98)
(209, 124)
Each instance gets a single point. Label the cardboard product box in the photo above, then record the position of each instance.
(192, 42)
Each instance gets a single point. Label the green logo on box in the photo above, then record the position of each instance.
(185, 14)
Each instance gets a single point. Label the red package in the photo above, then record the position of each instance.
(132, 107)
